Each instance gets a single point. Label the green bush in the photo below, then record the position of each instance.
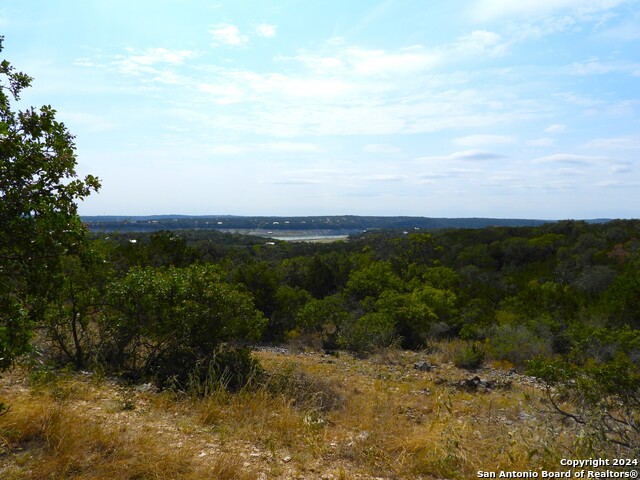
(368, 333)
(171, 321)
(324, 318)
(516, 344)
(469, 356)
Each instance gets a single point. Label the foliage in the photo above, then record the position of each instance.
(38, 212)
(602, 381)
(372, 280)
(226, 367)
(167, 317)
(367, 333)
(516, 344)
(76, 303)
(621, 300)
(412, 319)
(289, 301)
(325, 317)
(469, 356)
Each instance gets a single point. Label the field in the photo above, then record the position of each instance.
(393, 415)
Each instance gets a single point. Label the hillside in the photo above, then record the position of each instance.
(318, 417)
(444, 354)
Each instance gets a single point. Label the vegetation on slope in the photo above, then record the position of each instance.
(180, 310)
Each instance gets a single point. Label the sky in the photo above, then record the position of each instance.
(435, 108)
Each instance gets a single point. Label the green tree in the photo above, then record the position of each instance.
(372, 280)
(411, 317)
(38, 212)
(325, 317)
(169, 319)
(166, 248)
(77, 301)
(290, 300)
(621, 300)
(417, 248)
(367, 333)
(263, 282)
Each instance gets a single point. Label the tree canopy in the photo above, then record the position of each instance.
(39, 222)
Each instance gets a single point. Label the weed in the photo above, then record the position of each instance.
(469, 357)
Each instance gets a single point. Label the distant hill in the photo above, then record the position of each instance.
(336, 224)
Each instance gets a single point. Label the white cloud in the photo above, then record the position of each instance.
(622, 167)
(266, 30)
(596, 67)
(84, 62)
(571, 172)
(296, 181)
(618, 184)
(316, 63)
(312, 87)
(556, 128)
(476, 155)
(228, 149)
(483, 140)
(541, 142)
(153, 56)
(268, 87)
(478, 42)
(376, 62)
(222, 94)
(314, 176)
(430, 177)
(614, 143)
(580, 100)
(345, 91)
(533, 30)
(572, 159)
(487, 10)
(381, 148)
(290, 147)
(353, 60)
(171, 78)
(87, 121)
(466, 155)
(145, 61)
(350, 61)
(277, 147)
(226, 34)
(381, 177)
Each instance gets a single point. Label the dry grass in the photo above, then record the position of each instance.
(316, 417)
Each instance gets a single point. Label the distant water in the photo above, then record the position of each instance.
(310, 238)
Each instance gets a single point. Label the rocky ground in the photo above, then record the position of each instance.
(393, 415)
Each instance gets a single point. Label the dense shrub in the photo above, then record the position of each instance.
(167, 321)
(368, 333)
(516, 344)
(469, 356)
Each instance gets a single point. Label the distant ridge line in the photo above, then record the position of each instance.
(344, 224)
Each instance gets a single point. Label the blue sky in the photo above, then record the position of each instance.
(442, 108)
